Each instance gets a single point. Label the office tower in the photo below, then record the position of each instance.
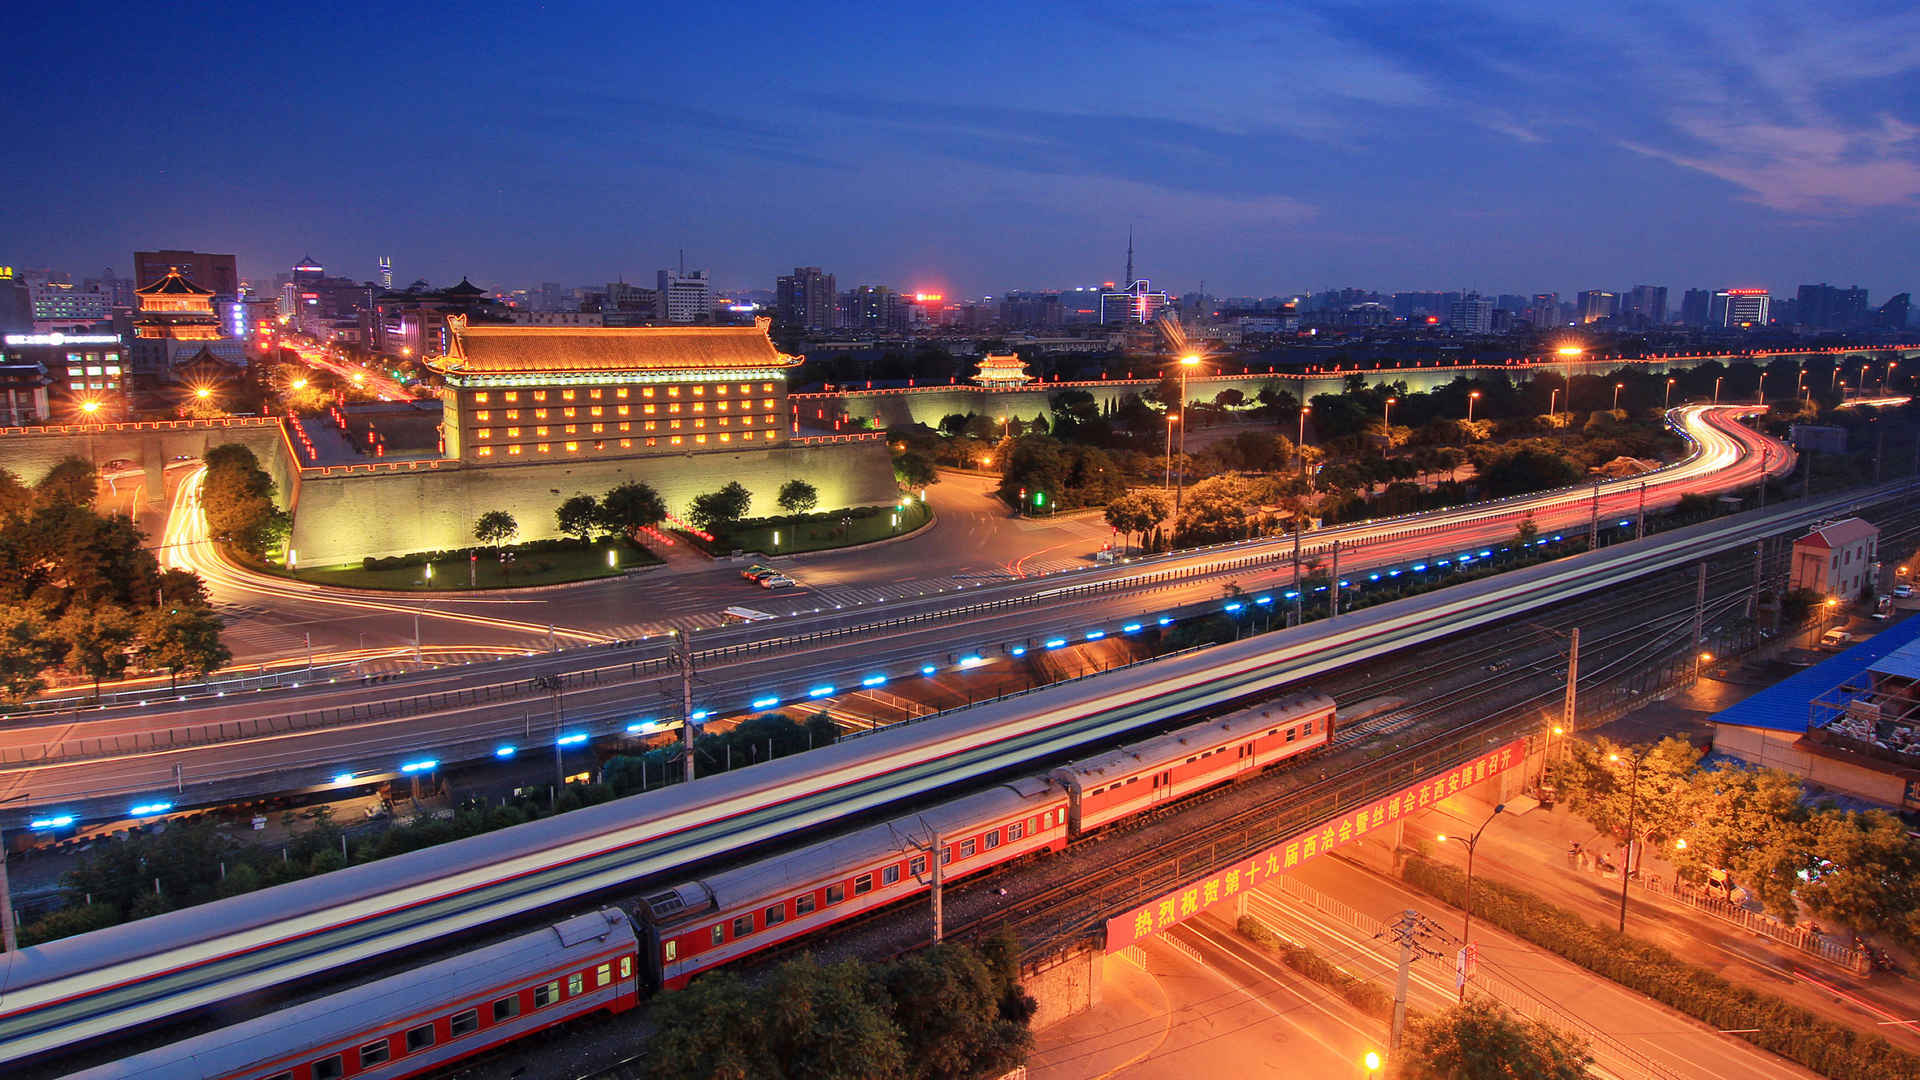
(687, 295)
(1743, 308)
(807, 298)
(1597, 304)
(1824, 307)
(1694, 307)
(1646, 305)
(386, 273)
(1471, 314)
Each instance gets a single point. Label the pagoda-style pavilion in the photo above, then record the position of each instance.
(1008, 370)
(175, 309)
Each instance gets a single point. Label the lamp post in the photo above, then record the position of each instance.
(1668, 403)
(1472, 842)
(1187, 363)
(1301, 440)
(1633, 801)
(1617, 387)
(1386, 422)
(1760, 393)
(1472, 397)
(1703, 658)
(1553, 403)
(1171, 421)
(1800, 383)
(1546, 752)
(1716, 388)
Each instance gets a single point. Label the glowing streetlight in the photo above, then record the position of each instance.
(1553, 402)
(1633, 797)
(1617, 387)
(1668, 403)
(1760, 394)
(203, 393)
(1172, 421)
(1472, 396)
(1387, 421)
(1187, 363)
(1472, 842)
(1301, 441)
(1371, 1062)
(1716, 388)
(90, 406)
(298, 384)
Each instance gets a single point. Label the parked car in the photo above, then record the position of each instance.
(777, 581)
(1902, 592)
(756, 570)
(1835, 638)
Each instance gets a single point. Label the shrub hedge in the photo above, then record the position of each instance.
(1797, 1034)
(1369, 998)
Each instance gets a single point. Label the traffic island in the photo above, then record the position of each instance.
(541, 562)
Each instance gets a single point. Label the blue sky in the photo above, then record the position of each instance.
(1259, 148)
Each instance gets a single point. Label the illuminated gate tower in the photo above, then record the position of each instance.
(523, 394)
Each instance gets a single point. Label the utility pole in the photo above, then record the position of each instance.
(1766, 462)
(1753, 600)
(1573, 680)
(1640, 519)
(939, 886)
(1593, 526)
(416, 637)
(1333, 587)
(1402, 932)
(1699, 611)
(1299, 524)
(684, 648)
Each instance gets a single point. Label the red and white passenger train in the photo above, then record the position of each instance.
(420, 1019)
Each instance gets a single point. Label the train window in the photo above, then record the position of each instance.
(626, 967)
(672, 951)
(993, 839)
(719, 933)
(1274, 732)
(803, 905)
(1016, 830)
(968, 847)
(1306, 728)
(603, 975)
(1290, 734)
(544, 996)
(1133, 779)
(330, 1068)
(419, 1038)
(743, 925)
(281, 1076)
(835, 894)
(889, 875)
(377, 1053)
(574, 984)
(465, 1023)
(917, 865)
(509, 1007)
(863, 885)
(774, 915)
(1193, 759)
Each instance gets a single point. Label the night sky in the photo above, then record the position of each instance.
(1260, 148)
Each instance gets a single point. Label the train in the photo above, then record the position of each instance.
(414, 1021)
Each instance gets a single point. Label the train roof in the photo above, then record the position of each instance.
(323, 1021)
(1183, 742)
(830, 859)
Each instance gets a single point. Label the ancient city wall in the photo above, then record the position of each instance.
(343, 515)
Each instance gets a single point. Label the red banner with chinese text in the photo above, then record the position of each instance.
(1226, 883)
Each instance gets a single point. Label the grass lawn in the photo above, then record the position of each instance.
(549, 567)
(822, 534)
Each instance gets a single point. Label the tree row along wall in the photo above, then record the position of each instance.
(343, 518)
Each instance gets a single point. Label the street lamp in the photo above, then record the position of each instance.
(1472, 397)
(1386, 423)
(1668, 403)
(1703, 658)
(1617, 387)
(1371, 1062)
(1800, 383)
(1760, 394)
(1187, 363)
(1472, 842)
(1171, 421)
(1716, 388)
(1300, 441)
(1553, 402)
(1633, 802)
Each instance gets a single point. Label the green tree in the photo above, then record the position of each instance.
(808, 1020)
(631, 507)
(16, 499)
(716, 510)
(959, 1016)
(1534, 465)
(579, 517)
(913, 469)
(496, 528)
(798, 497)
(1033, 463)
(1527, 533)
(27, 650)
(1137, 512)
(237, 497)
(1216, 509)
(1868, 873)
(1478, 1040)
(94, 640)
(1605, 787)
(180, 638)
(72, 481)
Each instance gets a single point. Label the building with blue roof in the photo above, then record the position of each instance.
(1817, 724)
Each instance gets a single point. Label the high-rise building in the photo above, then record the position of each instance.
(808, 298)
(118, 290)
(1695, 305)
(216, 272)
(1544, 311)
(386, 273)
(1892, 315)
(1137, 304)
(1024, 310)
(16, 303)
(687, 295)
(874, 309)
(1824, 307)
(1743, 308)
(58, 304)
(1471, 314)
(1597, 304)
(638, 305)
(1646, 305)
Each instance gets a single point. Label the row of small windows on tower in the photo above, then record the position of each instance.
(597, 411)
(517, 449)
(650, 427)
(618, 393)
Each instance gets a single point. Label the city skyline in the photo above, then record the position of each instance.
(516, 152)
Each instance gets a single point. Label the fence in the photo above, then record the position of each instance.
(1796, 937)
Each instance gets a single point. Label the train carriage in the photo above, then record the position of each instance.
(711, 921)
(1137, 777)
(420, 1020)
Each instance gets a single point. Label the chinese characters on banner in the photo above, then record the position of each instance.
(1225, 884)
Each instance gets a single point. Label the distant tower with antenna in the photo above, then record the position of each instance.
(1127, 282)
